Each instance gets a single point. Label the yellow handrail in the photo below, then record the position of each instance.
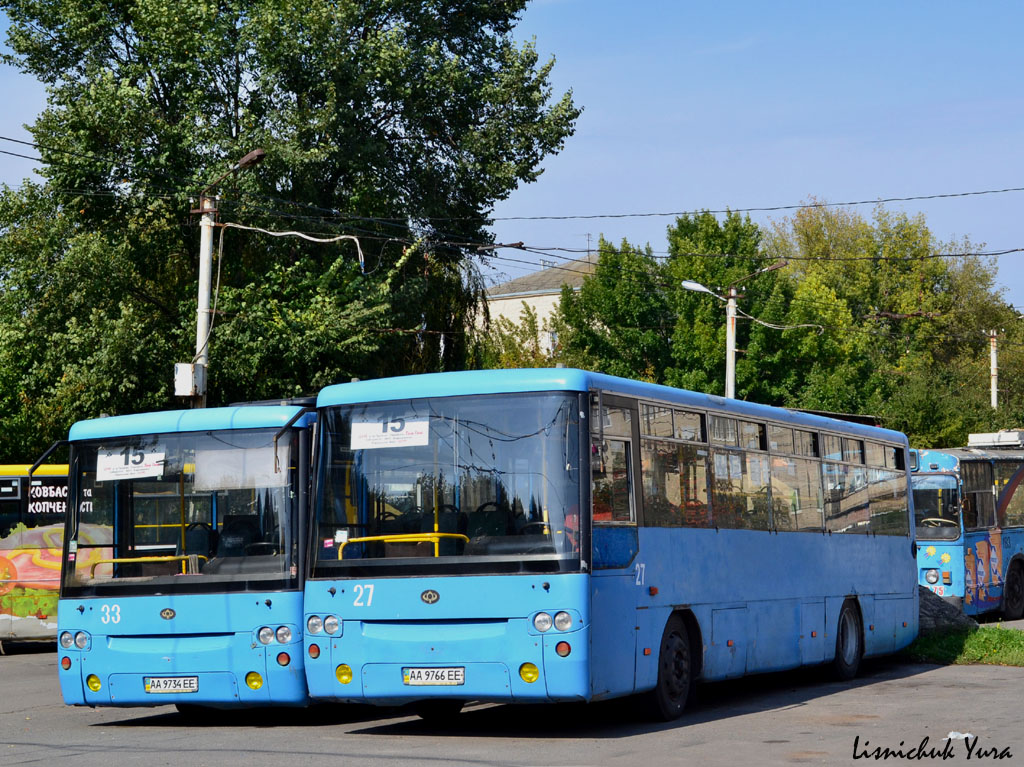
(119, 560)
(407, 538)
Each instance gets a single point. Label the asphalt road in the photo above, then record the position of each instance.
(789, 718)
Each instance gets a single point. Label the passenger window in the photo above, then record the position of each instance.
(874, 454)
(675, 485)
(752, 436)
(853, 450)
(806, 443)
(796, 494)
(610, 467)
(739, 490)
(833, 447)
(614, 420)
(656, 421)
(723, 431)
(780, 439)
(689, 426)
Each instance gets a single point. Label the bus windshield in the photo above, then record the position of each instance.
(193, 511)
(936, 506)
(487, 483)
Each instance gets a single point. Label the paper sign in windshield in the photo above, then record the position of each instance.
(393, 432)
(129, 463)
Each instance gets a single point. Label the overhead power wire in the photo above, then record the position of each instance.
(334, 212)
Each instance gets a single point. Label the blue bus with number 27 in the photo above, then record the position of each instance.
(184, 551)
(560, 535)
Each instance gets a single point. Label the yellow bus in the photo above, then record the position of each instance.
(32, 511)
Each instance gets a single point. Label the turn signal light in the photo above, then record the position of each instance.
(529, 673)
(65, 663)
(283, 659)
(563, 649)
(314, 651)
(253, 680)
(343, 673)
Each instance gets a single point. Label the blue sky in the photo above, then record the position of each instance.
(748, 104)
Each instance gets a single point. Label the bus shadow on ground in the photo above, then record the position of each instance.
(625, 717)
(319, 715)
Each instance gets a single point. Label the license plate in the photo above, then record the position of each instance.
(163, 684)
(427, 677)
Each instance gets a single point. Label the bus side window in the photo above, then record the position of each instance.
(10, 495)
(979, 503)
(611, 469)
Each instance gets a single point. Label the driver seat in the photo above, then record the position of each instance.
(238, 531)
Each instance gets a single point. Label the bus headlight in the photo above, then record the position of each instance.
(81, 640)
(542, 622)
(283, 634)
(266, 635)
(563, 621)
(66, 640)
(331, 624)
(314, 625)
(931, 576)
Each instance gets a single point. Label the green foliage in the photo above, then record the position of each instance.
(399, 121)
(988, 645)
(861, 319)
(514, 345)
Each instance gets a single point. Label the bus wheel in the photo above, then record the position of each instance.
(849, 642)
(668, 698)
(1013, 594)
(438, 710)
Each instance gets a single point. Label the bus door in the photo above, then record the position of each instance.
(983, 587)
(614, 467)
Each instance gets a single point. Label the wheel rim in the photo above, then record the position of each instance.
(848, 638)
(676, 668)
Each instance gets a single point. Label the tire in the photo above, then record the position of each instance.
(849, 642)
(438, 710)
(675, 672)
(1013, 594)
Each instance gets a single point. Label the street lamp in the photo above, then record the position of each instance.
(730, 322)
(190, 378)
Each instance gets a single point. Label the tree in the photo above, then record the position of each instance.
(398, 121)
(619, 322)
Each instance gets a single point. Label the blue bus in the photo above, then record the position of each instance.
(970, 525)
(184, 553)
(560, 535)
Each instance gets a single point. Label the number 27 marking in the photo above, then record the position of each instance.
(640, 573)
(363, 590)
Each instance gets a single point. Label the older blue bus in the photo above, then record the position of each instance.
(184, 554)
(561, 535)
(970, 524)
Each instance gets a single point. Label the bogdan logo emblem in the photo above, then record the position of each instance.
(167, 613)
(430, 596)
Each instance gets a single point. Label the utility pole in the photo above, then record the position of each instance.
(993, 369)
(190, 377)
(730, 344)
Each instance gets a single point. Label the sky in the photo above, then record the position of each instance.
(707, 105)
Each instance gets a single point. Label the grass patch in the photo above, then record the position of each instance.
(989, 645)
